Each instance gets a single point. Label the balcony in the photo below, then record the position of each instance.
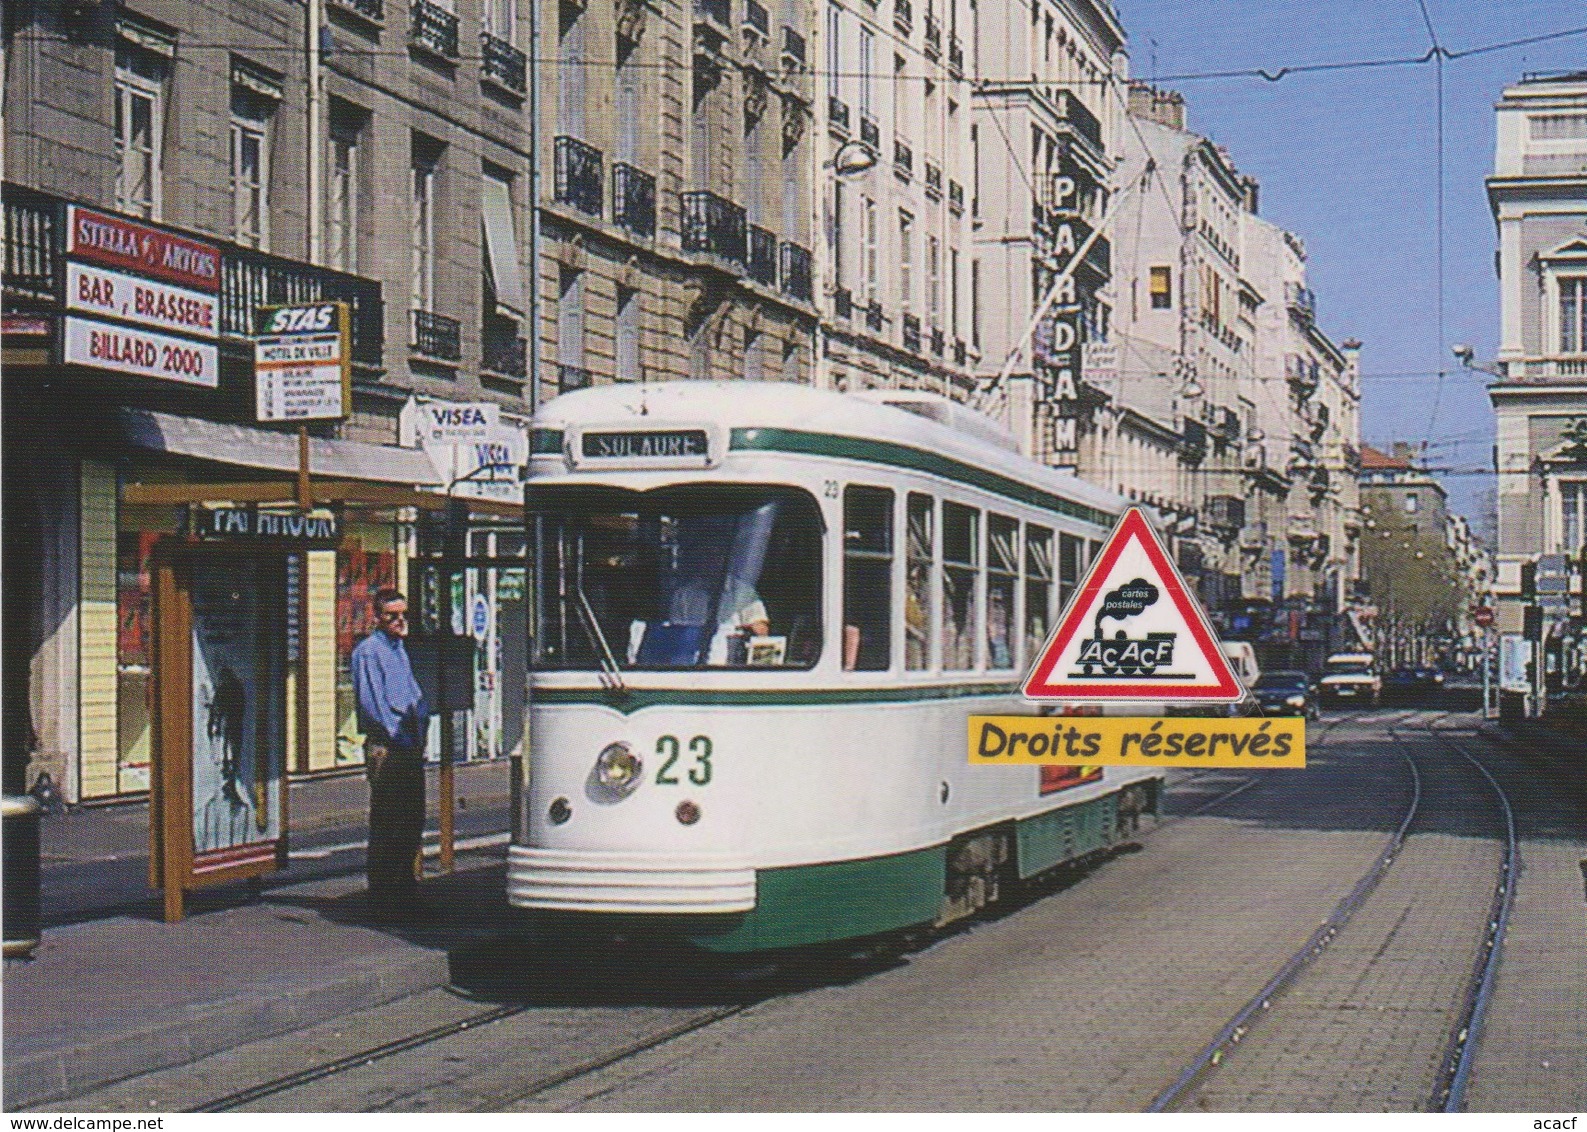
(873, 317)
(1194, 439)
(912, 333)
(578, 175)
(843, 302)
(502, 63)
(870, 133)
(960, 354)
(933, 181)
(939, 341)
(719, 12)
(796, 271)
(35, 236)
(372, 10)
(903, 159)
(1080, 118)
(955, 196)
(793, 50)
(504, 353)
(714, 225)
(432, 29)
(634, 199)
(1544, 369)
(437, 336)
(955, 57)
(1302, 301)
(838, 114)
(756, 20)
(570, 378)
(1226, 513)
(903, 16)
(933, 37)
(762, 265)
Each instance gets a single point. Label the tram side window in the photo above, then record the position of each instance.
(1002, 578)
(1038, 587)
(917, 595)
(1071, 560)
(867, 578)
(960, 564)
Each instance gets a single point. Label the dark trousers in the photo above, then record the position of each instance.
(396, 820)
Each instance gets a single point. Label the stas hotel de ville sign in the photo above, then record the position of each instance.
(1133, 633)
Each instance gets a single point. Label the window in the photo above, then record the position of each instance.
(251, 113)
(1002, 583)
(1411, 503)
(497, 19)
(342, 188)
(140, 131)
(953, 291)
(1038, 588)
(1162, 288)
(501, 246)
(867, 578)
(698, 576)
(1071, 550)
(961, 544)
(867, 55)
(906, 259)
(1573, 525)
(421, 290)
(868, 246)
(934, 281)
(628, 312)
(919, 552)
(1573, 315)
(975, 303)
(570, 328)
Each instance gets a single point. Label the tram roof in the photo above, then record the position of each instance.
(978, 441)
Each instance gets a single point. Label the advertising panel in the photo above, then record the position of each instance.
(302, 363)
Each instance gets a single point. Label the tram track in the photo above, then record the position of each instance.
(1453, 1069)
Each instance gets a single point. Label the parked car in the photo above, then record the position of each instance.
(1412, 683)
(1287, 692)
(1351, 678)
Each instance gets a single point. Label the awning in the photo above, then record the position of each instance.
(245, 447)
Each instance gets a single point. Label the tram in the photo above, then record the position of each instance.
(761, 616)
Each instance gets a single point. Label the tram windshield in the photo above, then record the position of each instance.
(698, 576)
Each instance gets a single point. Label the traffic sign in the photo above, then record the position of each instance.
(1133, 632)
(1482, 615)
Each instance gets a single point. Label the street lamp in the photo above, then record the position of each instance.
(851, 157)
(1466, 356)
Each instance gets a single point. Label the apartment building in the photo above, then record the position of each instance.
(172, 169)
(676, 160)
(1043, 147)
(1538, 195)
(895, 196)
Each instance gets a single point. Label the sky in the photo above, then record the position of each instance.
(1349, 160)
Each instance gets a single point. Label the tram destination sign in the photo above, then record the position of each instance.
(665, 447)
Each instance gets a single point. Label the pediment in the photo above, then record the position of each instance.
(1572, 250)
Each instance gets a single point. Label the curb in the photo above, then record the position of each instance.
(198, 1031)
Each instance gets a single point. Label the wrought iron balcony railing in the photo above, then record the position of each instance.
(634, 199)
(796, 271)
(955, 195)
(762, 266)
(960, 353)
(912, 333)
(933, 37)
(873, 316)
(838, 113)
(939, 341)
(933, 181)
(372, 10)
(578, 175)
(505, 353)
(501, 62)
(437, 336)
(570, 378)
(432, 28)
(714, 224)
(903, 159)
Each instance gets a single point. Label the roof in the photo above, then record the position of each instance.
(1373, 459)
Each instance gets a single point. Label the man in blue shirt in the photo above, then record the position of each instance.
(395, 719)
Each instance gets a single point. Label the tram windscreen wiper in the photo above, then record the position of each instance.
(611, 675)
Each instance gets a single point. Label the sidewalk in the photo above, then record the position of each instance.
(108, 998)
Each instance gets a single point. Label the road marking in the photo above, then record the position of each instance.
(485, 841)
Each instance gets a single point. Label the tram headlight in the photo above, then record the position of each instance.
(619, 769)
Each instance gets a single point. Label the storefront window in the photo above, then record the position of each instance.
(134, 656)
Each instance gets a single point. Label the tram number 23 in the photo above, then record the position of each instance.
(698, 764)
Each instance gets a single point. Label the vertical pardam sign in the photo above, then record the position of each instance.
(1066, 740)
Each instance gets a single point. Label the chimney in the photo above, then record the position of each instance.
(1165, 107)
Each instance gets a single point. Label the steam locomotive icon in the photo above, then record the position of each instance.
(1122, 655)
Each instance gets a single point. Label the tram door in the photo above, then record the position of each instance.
(495, 592)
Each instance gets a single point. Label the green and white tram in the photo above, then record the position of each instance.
(762, 616)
